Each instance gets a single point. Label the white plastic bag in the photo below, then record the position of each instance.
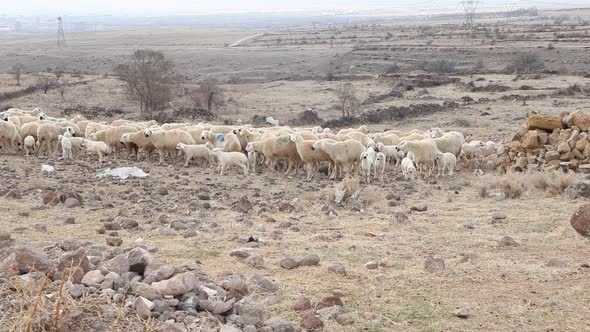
(47, 168)
(123, 172)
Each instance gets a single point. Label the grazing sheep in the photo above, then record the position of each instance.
(366, 165)
(446, 161)
(66, 147)
(379, 165)
(308, 155)
(100, 148)
(135, 141)
(227, 159)
(362, 129)
(344, 155)
(29, 144)
(216, 140)
(408, 168)
(165, 141)
(198, 151)
(423, 153)
(232, 143)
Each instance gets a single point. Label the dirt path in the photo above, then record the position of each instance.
(247, 39)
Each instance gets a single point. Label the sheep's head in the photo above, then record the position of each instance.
(92, 137)
(71, 130)
(295, 137)
(364, 129)
(327, 131)
(401, 145)
(42, 116)
(236, 131)
(371, 144)
(124, 138)
(364, 156)
(148, 132)
(250, 147)
(180, 146)
(438, 155)
(380, 156)
(206, 135)
(316, 145)
(380, 146)
(316, 130)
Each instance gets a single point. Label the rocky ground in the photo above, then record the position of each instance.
(187, 249)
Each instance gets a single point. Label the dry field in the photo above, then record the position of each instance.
(538, 282)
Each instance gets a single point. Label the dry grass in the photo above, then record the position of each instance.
(515, 185)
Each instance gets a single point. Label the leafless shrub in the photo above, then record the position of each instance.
(208, 95)
(527, 63)
(348, 103)
(17, 70)
(148, 75)
(462, 122)
(45, 83)
(438, 66)
(563, 70)
(61, 88)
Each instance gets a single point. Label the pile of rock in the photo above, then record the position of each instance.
(181, 299)
(550, 142)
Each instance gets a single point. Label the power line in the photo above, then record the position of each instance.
(61, 37)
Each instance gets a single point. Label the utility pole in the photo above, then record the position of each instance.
(61, 37)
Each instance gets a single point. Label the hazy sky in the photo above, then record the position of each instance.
(168, 7)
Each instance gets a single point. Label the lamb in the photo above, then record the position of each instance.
(227, 159)
(194, 151)
(472, 149)
(165, 141)
(391, 153)
(66, 147)
(379, 165)
(446, 161)
(252, 160)
(366, 165)
(343, 154)
(408, 168)
(100, 148)
(29, 144)
(489, 148)
(308, 155)
(449, 143)
(423, 151)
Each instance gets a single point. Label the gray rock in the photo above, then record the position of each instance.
(24, 259)
(462, 312)
(337, 268)
(419, 208)
(179, 284)
(118, 264)
(302, 303)
(114, 241)
(241, 252)
(93, 278)
(499, 216)
(139, 259)
(156, 271)
(507, 241)
(288, 263)
(145, 290)
(372, 265)
(256, 261)
(311, 260)
(143, 307)
(77, 291)
(263, 284)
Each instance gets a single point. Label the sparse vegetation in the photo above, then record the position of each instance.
(148, 75)
(527, 63)
(348, 103)
(208, 95)
(17, 70)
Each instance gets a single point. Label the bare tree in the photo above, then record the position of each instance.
(17, 70)
(348, 103)
(208, 94)
(527, 63)
(61, 88)
(45, 83)
(148, 75)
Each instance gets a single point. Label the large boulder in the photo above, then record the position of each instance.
(581, 120)
(75, 259)
(179, 284)
(139, 258)
(145, 290)
(544, 121)
(580, 221)
(118, 264)
(24, 260)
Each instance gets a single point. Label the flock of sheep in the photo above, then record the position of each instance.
(348, 150)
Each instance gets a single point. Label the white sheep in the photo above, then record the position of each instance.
(99, 147)
(165, 141)
(379, 165)
(191, 151)
(344, 155)
(446, 161)
(66, 147)
(47, 137)
(408, 168)
(10, 134)
(366, 164)
(308, 155)
(274, 149)
(232, 143)
(112, 137)
(449, 142)
(423, 152)
(136, 141)
(29, 143)
(252, 160)
(489, 148)
(272, 121)
(227, 159)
